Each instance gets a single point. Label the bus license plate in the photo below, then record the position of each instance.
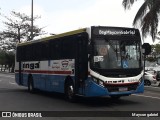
(123, 89)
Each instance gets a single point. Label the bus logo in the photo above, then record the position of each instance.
(65, 63)
(31, 65)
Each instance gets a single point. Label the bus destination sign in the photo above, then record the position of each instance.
(113, 31)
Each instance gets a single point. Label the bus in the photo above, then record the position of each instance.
(90, 62)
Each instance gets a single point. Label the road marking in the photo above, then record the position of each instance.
(148, 96)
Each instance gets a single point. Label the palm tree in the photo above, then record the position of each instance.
(146, 17)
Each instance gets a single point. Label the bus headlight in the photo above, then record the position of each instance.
(98, 81)
(140, 80)
(101, 83)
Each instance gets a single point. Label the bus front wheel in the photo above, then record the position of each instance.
(115, 98)
(69, 92)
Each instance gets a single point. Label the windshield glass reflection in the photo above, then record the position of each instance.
(116, 54)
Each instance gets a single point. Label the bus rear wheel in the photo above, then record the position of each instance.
(69, 92)
(30, 84)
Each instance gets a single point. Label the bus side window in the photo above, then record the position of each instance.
(55, 49)
(68, 48)
(19, 54)
(29, 55)
(44, 51)
(36, 52)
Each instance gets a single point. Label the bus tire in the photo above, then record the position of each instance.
(69, 92)
(147, 82)
(30, 84)
(115, 98)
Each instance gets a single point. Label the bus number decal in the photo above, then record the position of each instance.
(98, 58)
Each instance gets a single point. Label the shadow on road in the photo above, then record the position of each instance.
(7, 90)
(105, 101)
(88, 101)
(84, 101)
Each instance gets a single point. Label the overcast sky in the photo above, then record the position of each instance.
(59, 16)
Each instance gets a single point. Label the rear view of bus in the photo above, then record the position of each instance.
(115, 62)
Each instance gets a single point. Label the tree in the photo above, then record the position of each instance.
(158, 36)
(18, 28)
(147, 16)
(7, 60)
(155, 52)
(10, 61)
(2, 59)
(156, 49)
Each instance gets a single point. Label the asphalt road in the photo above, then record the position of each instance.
(14, 98)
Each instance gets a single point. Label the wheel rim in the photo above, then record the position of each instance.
(70, 92)
(148, 83)
(30, 86)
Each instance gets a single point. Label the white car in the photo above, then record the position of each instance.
(149, 79)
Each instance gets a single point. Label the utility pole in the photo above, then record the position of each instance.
(19, 35)
(32, 20)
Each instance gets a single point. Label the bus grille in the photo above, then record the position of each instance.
(121, 87)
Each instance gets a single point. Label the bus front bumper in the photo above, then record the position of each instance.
(92, 89)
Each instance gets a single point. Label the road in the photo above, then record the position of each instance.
(16, 98)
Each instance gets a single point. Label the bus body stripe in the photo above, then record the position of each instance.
(45, 72)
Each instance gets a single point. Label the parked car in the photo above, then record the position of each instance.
(149, 79)
(158, 77)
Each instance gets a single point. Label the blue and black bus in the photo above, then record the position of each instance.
(94, 61)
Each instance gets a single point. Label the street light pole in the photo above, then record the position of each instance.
(32, 20)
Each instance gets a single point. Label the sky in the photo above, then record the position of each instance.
(58, 16)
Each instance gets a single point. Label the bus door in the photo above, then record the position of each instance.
(81, 63)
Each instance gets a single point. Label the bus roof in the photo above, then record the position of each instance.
(105, 30)
(54, 36)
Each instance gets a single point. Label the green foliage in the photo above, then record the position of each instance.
(2, 57)
(7, 59)
(147, 16)
(155, 51)
(156, 48)
(151, 59)
(18, 28)
(10, 59)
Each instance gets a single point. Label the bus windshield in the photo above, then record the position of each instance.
(116, 54)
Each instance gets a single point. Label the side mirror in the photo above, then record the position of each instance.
(146, 48)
